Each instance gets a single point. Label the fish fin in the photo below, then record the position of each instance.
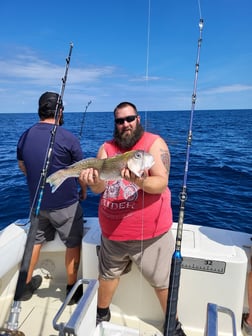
(56, 179)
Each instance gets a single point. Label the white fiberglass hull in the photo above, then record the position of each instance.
(214, 270)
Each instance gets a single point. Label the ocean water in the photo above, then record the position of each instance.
(219, 180)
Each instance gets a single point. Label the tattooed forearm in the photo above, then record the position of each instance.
(165, 157)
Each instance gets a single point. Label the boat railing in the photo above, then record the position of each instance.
(83, 319)
(212, 319)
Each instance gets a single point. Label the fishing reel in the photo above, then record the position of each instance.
(8, 332)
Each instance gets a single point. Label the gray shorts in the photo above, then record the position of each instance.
(152, 257)
(68, 222)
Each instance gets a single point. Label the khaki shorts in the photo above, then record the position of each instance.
(152, 257)
(68, 222)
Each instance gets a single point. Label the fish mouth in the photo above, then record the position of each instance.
(143, 173)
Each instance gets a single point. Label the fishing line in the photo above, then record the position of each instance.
(148, 44)
(16, 306)
(146, 82)
(171, 311)
(200, 15)
(147, 58)
(145, 127)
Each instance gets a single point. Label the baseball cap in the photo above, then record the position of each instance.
(48, 101)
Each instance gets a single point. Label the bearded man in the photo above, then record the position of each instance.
(135, 213)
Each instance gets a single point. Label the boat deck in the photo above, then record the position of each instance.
(214, 268)
(37, 314)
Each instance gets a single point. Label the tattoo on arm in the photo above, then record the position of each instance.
(165, 159)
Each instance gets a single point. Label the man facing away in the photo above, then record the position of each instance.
(134, 213)
(60, 211)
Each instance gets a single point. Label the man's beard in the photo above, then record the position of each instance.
(127, 142)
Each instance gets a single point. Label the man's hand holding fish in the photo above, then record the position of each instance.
(128, 175)
(92, 179)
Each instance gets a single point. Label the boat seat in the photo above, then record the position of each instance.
(12, 244)
(212, 319)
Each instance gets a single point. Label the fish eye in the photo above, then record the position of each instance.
(138, 155)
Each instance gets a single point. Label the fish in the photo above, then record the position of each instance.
(137, 161)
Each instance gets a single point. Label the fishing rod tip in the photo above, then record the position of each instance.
(71, 44)
(201, 24)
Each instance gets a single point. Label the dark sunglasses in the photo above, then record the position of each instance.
(120, 121)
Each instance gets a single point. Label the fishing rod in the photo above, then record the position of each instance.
(83, 118)
(12, 324)
(171, 310)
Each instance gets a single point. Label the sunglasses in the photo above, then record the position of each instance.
(120, 121)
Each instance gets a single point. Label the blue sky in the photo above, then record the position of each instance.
(115, 50)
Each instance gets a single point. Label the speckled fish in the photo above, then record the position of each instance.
(109, 169)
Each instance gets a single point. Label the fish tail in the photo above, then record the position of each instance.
(56, 179)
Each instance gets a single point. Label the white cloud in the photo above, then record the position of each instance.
(37, 71)
(24, 77)
(229, 89)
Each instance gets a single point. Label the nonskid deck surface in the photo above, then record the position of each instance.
(37, 314)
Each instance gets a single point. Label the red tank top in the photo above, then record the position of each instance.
(128, 213)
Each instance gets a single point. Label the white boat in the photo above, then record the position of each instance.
(212, 287)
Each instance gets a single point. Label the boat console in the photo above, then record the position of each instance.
(214, 270)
